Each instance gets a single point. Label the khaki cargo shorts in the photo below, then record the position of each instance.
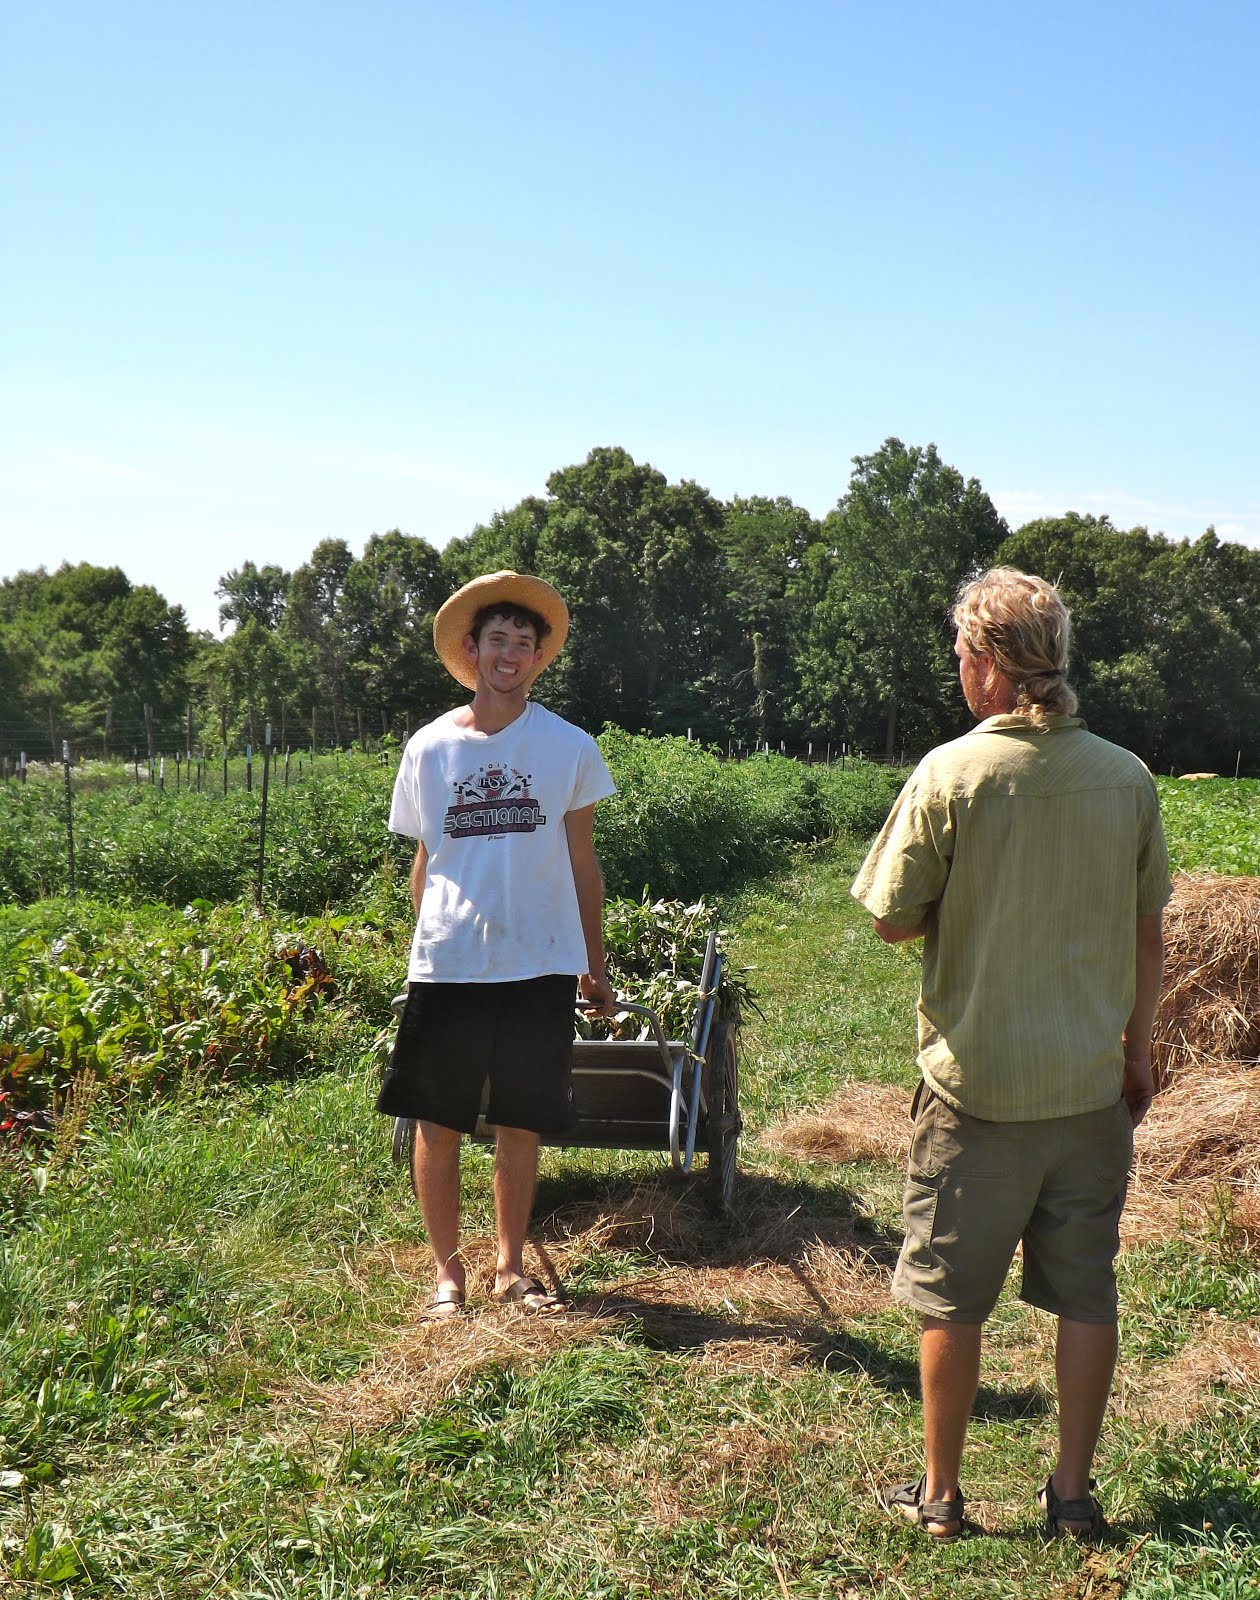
(976, 1189)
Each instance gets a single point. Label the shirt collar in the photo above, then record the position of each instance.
(1012, 722)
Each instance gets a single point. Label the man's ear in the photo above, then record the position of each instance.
(469, 645)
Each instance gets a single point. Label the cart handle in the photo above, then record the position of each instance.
(658, 1033)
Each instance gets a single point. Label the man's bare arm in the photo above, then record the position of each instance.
(1139, 1082)
(588, 880)
(417, 876)
(890, 933)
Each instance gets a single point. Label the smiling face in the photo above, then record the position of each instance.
(503, 657)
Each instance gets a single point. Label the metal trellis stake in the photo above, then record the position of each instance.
(65, 761)
(262, 814)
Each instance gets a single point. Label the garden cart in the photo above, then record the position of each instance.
(651, 1093)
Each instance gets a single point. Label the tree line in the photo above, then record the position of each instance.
(745, 621)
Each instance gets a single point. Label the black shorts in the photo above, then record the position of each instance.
(453, 1036)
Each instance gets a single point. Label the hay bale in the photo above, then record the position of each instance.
(1209, 1010)
(1207, 1127)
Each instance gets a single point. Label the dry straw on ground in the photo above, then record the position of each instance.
(1219, 1365)
(1198, 1152)
(862, 1122)
(761, 1297)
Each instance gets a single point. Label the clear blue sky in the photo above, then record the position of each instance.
(278, 272)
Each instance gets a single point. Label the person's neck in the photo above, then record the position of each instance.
(491, 713)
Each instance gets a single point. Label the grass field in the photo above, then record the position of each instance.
(212, 1380)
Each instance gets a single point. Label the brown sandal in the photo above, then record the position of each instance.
(1086, 1513)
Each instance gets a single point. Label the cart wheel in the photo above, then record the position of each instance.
(404, 1134)
(722, 1122)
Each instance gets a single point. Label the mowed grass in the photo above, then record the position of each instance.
(213, 1381)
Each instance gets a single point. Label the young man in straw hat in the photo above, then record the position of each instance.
(1029, 857)
(500, 795)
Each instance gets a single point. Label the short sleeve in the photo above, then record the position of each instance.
(906, 869)
(1154, 887)
(404, 808)
(592, 781)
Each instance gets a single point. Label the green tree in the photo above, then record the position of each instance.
(876, 661)
(765, 545)
(314, 634)
(247, 680)
(253, 592)
(387, 608)
(87, 644)
(1207, 635)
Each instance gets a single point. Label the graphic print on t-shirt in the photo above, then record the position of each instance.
(492, 801)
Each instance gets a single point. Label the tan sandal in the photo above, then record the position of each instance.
(444, 1305)
(531, 1298)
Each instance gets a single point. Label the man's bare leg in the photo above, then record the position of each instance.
(435, 1157)
(1085, 1360)
(515, 1178)
(949, 1369)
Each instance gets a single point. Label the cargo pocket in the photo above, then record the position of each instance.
(918, 1212)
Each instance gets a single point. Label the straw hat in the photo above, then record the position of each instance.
(455, 619)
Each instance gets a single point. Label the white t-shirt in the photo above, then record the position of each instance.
(499, 902)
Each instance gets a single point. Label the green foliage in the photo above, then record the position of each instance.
(326, 840)
(656, 951)
(79, 641)
(877, 660)
(766, 545)
(746, 621)
(32, 843)
(685, 823)
(678, 822)
(1212, 825)
(146, 1004)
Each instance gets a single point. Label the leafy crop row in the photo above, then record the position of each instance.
(143, 1003)
(683, 823)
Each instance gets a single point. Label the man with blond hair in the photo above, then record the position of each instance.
(1029, 856)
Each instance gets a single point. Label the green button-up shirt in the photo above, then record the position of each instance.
(1030, 855)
